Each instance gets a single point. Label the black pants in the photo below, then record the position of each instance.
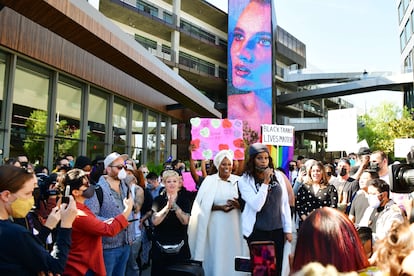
(278, 237)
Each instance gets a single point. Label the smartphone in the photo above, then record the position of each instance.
(65, 198)
(242, 264)
(263, 258)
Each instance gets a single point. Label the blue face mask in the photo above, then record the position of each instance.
(352, 161)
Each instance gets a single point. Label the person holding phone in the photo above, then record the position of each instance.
(266, 215)
(21, 252)
(86, 253)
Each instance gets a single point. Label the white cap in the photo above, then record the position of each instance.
(111, 158)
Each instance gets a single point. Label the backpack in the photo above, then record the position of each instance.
(99, 194)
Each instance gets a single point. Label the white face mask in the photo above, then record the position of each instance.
(122, 174)
(374, 201)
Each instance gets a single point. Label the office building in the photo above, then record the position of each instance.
(406, 28)
(92, 78)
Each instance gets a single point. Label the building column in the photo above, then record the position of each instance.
(175, 35)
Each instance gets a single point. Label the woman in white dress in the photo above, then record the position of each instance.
(215, 235)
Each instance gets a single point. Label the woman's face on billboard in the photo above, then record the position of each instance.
(251, 48)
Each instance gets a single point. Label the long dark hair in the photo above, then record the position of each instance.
(250, 168)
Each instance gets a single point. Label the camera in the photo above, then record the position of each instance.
(401, 178)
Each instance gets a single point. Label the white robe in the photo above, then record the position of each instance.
(215, 237)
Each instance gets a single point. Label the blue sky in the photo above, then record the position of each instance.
(351, 35)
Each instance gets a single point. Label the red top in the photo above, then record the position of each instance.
(86, 249)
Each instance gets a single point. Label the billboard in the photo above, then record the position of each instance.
(250, 47)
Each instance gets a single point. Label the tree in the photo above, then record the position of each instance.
(383, 124)
(66, 138)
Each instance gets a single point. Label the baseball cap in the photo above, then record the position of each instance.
(364, 151)
(257, 148)
(111, 158)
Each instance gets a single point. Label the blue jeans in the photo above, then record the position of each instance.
(116, 260)
(132, 268)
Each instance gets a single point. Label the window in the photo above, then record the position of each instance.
(119, 125)
(146, 42)
(152, 138)
(168, 17)
(67, 130)
(137, 131)
(29, 115)
(197, 64)
(97, 116)
(408, 29)
(194, 30)
(400, 11)
(147, 8)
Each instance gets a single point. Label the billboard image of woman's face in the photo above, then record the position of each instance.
(251, 49)
(250, 64)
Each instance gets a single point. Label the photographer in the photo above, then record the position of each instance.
(362, 163)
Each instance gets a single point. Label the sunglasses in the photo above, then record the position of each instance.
(119, 167)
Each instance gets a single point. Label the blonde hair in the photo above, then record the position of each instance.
(169, 173)
(397, 245)
(317, 269)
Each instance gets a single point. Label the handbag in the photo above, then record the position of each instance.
(170, 248)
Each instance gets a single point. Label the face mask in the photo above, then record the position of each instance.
(130, 179)
(343, 171)
(352, 161)
(21, 207)
(261, 169)
(150, 186)
(122, 174)
(88, 193)
(291, 167)
(374, 166)
(373, 201)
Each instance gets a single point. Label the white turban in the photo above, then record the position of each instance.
(221, 155)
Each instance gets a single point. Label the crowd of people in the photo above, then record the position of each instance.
(110, 217)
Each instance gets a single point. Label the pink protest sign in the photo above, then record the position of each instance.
(209, 136)
(188, 181)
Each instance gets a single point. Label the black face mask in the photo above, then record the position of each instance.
(374, 166)
(343, 172)
(291, 167)
(88, 193)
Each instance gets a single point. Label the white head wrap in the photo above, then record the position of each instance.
(221, 155)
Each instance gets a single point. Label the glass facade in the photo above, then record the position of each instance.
(53, 114)
(67, 118)
(30, 111)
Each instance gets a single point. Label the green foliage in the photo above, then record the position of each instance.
(383, 124)
(157, 168)
(34, 143)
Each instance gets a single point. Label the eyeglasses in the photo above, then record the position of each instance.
(119, 167)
